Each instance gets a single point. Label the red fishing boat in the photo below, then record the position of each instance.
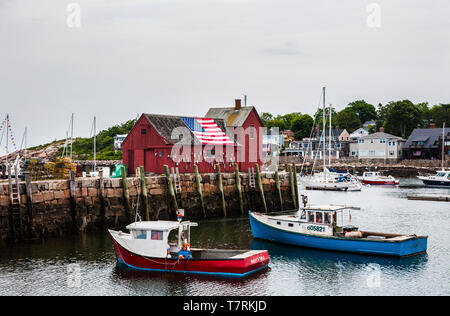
(164, 246)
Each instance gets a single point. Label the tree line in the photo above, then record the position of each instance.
(398, 118)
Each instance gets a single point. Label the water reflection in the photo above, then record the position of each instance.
(320, 259)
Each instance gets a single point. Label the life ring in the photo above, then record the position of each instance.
(187, 247)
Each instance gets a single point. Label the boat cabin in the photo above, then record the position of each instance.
(328, 220)
(372, 174)
(160, 238)
(445, 175)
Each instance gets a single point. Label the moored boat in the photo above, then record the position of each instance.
(376, 178)
(325, 227)
(441, 179)
(164, 246)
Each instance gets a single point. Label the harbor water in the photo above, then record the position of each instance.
(85, 264)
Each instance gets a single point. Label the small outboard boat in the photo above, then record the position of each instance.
(164, 246)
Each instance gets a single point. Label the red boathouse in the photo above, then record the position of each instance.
(176, 141)
(248, 130)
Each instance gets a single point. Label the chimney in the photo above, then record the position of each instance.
(237, 103)
(432, 125)
(381, 129)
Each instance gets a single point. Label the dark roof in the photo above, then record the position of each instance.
(230, 115)
(165, 125)
(430, 136)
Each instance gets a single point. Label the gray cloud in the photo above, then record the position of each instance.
(133, 56)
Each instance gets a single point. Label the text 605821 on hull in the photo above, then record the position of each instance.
(320, 227)
(147, 247)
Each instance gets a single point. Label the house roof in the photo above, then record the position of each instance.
(230, 115)
(334, 132)
(382, 135)
(166, 124)
(430, 136)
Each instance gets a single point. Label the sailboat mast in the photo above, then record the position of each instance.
(443, 145)
(95, 144)
(323, 133)
(71, 137)
(7, 135)
(329, 142)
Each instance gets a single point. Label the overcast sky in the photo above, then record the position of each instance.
(183, 56)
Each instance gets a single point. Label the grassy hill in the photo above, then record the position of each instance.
(83, 148)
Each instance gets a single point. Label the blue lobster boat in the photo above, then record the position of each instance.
(326, 227)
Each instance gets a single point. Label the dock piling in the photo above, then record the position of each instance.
(126, 195)
(199, 190)
(171, 188)
(144, 194)
(239, 188)
(220, 184)
(277, 183)
(260, 186)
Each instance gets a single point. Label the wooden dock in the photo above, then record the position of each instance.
(429, 197)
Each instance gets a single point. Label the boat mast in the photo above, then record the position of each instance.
(443, 145)
(71, 137)
(7, 135)
(323, 133)
(329, 142)
(95, 145)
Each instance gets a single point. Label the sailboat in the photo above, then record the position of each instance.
(442, 177)
(325, 180)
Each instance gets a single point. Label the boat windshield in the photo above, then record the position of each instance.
(441, 174)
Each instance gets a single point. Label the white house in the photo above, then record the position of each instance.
(379, 145)
(360, 132)
(118, 140)
(272, 142)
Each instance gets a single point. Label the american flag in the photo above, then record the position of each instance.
(207, 131)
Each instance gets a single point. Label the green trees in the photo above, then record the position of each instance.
(297, 122)
(302, 125)
(397, 117)
(347, 119)
(401, 117)
(363, 110)
(440, 114)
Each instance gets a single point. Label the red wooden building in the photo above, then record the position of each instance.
(248, 131)
(176, 141)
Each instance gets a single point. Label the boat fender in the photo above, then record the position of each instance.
(353, 234)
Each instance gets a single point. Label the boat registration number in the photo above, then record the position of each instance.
(314, 228)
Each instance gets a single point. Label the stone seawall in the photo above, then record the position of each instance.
(52, 208)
